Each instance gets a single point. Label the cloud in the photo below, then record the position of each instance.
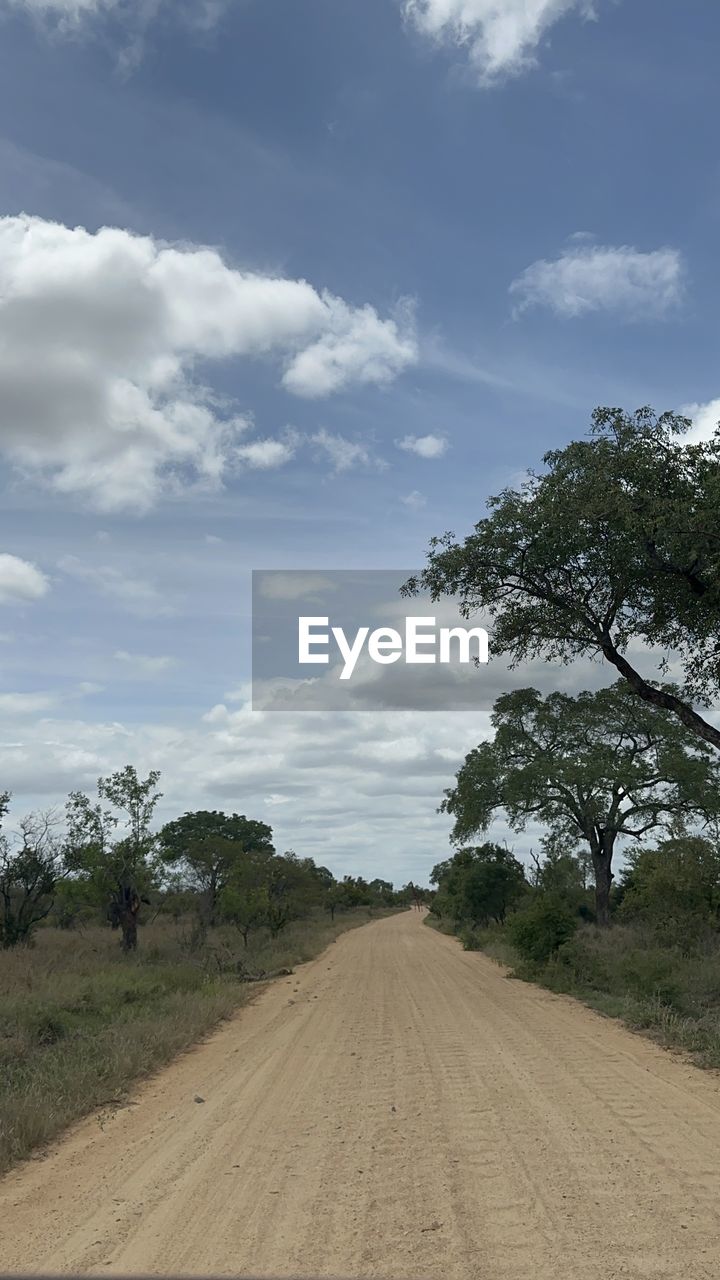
(293, 585)
(25, 703)
(136, 595)
(69, 10)
(66, 15)
(424, 446)
(705, 419)
(142, 665)
(603, 278)
(343, 454)
(205, 12)
(501, 37)
(119, 322)
(348, 802)
(20, 581)
(361, 790)
(414, 501)
(131, 19)
(357, 346)
(266, 454)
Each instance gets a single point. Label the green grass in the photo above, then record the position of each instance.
(80, 1022)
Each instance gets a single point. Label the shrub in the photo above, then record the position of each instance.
(470, 938)
(540, 930)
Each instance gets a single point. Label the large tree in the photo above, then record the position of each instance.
(212, 848)
(112, 849)
(596, 767)
(616, 542)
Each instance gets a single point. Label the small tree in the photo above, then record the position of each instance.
(119, 871)
(334, 898)
(244, 899)
(674, 888)
(596, 767)
(480, 884)
(28, 876)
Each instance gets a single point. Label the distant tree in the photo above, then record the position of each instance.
(334, 899)
(294, 889)
(210, 847)
(382, 891)
(113, 850)
(29, 871)
(596, 767)
(616, 542)
(480, 884)
(245, 901)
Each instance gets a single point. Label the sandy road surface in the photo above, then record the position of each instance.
(400, 1109)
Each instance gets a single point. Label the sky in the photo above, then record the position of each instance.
(296, 285)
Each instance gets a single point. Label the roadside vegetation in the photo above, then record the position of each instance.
(611, 553)
(121, 945)
(657, 967)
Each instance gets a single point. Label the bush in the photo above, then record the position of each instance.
(539, 931)
(470, 939)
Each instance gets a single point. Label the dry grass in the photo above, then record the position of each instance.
(79, 1022)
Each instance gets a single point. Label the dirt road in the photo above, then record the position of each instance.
(400, 1109)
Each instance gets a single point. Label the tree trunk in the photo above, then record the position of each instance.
(127, 918)
(602, 852)
(128, 924)
(212, 902)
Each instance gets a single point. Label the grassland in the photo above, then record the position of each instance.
(80, 1022)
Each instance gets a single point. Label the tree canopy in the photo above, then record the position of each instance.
(478, 884)
(214, 850)
(615, 543)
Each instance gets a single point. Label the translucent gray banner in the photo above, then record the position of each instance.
(347, 640)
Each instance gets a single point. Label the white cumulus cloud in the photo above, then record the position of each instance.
(20, 581)
(603, 278)
(705, 421)
(430, 446)
(267, 454)
(501, 37)
(100, 335)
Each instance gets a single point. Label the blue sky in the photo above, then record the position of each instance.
(504, 214)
